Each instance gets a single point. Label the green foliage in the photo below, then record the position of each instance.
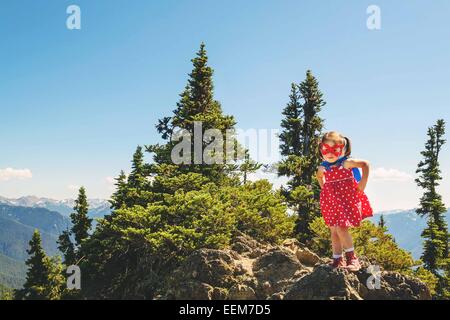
(196, 103)
(301, 128)
(382, 223)
(380, 248)
(436, 244)
(248, 166)
(321, 237)
(426, 277)
(144, 245)
(44, 280)
(6, 293)
(81, 224)
(118, 198)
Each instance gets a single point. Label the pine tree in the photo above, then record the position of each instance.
(80, 219)
(248, 166)
(292, 124)
(119, 197)
(37, 282)
(81, 224)
(312, 125)
(436, 234)
(136, 178)
(301, 128)
(196, 104)
(382, 223)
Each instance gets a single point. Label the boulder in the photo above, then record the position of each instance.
(304, 255)
(252, 270)
(325, 283)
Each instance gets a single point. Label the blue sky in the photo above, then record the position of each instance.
(76, 103)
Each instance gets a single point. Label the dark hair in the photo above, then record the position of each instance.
(335, 137)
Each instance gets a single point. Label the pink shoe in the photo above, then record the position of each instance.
(352, 261)
(338, 263)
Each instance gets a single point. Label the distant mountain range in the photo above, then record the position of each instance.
(97, 207)
(406, 227)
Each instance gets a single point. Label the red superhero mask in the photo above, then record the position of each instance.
(336, 150)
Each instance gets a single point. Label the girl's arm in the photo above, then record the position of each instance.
(364, 165)
(320, 175)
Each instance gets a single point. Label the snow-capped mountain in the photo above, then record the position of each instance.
(97, 207)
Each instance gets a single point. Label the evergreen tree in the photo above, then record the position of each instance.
(81, 223)
(197, 104)
(248, 166)
(301, 128)
(43, 280)
(292, 124)
(119, 197)
(136, 178)
(382, 223)
(436, 234)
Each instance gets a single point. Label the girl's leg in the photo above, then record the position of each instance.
(335, 242)
(347, 242)
(345, 237)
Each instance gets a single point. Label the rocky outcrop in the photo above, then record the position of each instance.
(251, 270)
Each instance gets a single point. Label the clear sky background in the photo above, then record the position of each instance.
(75, 104)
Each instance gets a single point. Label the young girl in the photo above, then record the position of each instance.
(342, 199)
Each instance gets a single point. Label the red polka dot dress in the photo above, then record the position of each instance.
(341, 203)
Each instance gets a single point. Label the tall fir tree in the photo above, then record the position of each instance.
(119, 197)
(81, 224)
(436, 236)
(196, 104)
(44, 279)
(382, 222)
(248, 166)
(301, 128)
(137, 179)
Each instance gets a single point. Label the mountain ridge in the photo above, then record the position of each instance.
(97, 207)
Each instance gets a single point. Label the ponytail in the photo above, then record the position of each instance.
(348, 147)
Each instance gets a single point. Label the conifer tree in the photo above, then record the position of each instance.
(81, 224)
(37, 285)
(196, 104)
(136, 178)
(119, 197)
(436, 234)
(80, 219)
(248, 166)
(301, 128)
(382, 223)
